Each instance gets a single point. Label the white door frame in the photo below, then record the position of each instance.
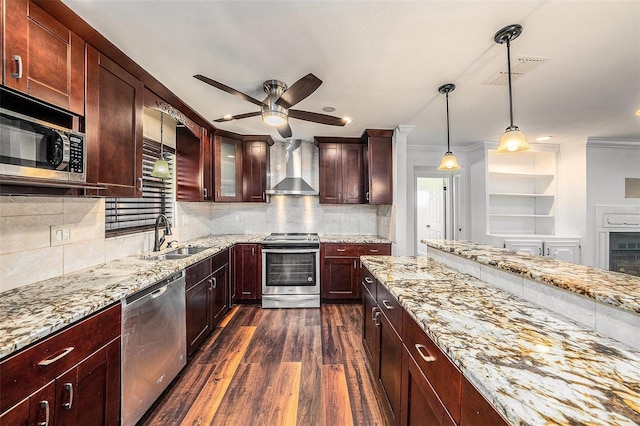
(450, 216)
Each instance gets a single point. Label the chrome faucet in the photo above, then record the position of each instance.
(167, 231)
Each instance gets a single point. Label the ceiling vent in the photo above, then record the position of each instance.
(523, 65)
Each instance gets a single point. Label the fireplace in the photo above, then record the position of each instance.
(624, 252)
(618, 238)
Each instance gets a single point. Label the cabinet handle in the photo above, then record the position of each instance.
(368, 280)
(45, 405)
(210, 284)
(341, 250)
(204, 190)
(49, 361)
(374, 250)
(367, 196)
(548, 251)
(354, 265)
(69, 388)
(18, 60)
(540, 251)
(376, 318)
(140, 184)
(218, 194)
(215, 282)
(253, 251)
(420, 348)
(246, 292)
(264, 196)
(387, 305)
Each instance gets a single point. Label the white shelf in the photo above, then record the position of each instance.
(521, 175)
(519, 194)
(523, 215)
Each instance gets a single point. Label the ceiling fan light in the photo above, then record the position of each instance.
(274, 118)
(161, 169)
(449, 162)
(512, 140)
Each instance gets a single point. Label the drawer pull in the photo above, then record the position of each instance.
(374, 250)
(211, 287)
(61, 355)
(368, 280)
(420, 348)
(45, 405)
(246, 292)
(376, 318)
(18, 61)
(215, 282)
(341, 250)
(387, 305)
(69, 388)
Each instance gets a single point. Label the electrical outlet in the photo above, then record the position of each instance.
(60, 234)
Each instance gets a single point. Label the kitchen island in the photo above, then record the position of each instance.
(532, 365)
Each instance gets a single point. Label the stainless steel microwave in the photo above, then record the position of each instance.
(35, 149)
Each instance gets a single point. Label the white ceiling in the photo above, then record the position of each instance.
(382, 62)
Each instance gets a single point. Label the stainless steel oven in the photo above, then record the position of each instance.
(291, 271)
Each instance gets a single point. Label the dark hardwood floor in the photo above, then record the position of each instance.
(276, 367)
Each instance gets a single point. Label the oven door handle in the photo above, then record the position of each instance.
(290, 250)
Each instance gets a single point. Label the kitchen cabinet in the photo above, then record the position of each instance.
(567, 250)
(378, 166)
(190, 166)
(341, 173)
(206, 297)
(475, 410)
(247, 272)
(341, 269)
(113, 127)
(370, 332)
(71, 377)
(42, 57)
(228, 169)
(255, 168)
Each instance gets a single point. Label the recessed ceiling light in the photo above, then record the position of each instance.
(544, 138)
(227, 116)
(328, 109)
(347, 120)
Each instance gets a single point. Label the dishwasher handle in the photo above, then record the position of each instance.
(154, 291)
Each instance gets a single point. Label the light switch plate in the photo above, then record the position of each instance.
(60, 235)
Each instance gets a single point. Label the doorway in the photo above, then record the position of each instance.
(434, 210)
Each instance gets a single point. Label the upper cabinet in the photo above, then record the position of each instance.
(378, 165)
(113, 127)
(228, 169)
(42, 57)
(255, 168)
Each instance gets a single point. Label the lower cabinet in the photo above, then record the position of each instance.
(206, 297)
(567, 250)
(341, 269)
(247, 273)
(72, 377)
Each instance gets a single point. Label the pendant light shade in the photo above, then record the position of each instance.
(161, 167)
(512, 140)
(449, 161)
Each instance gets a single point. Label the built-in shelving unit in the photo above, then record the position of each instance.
(521, 192)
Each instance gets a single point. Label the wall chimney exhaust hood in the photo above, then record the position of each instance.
(293, 183)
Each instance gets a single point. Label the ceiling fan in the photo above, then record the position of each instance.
(276, 107)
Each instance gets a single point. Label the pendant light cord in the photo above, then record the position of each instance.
(509, 77)
(161, 131)
(448, 147)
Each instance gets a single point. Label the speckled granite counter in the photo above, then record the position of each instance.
(30, 313)
(612, 288)
(353, 239)
(534, 366)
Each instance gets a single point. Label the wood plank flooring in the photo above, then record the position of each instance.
(276, 367)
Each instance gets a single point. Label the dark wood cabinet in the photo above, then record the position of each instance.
(247, 272)
(206, 296)
(228, 169)
(378, 165)
(72, 377)
(43, 58)
(341, 271)
(255, 168)
(341, 172)
(475, 410)
(113, 127)
(190, 166)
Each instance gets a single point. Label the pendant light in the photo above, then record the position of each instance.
(161, 167)
(512, 140)
(449, 161)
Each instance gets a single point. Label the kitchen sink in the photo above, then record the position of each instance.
(180, 253)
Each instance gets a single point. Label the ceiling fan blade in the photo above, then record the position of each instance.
(227, 89)
(299, 90)
(237, 117)
(285, 130)
(316, 118)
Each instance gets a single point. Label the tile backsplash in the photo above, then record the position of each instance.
(27, 256)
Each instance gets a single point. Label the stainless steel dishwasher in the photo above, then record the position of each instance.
(154, 347)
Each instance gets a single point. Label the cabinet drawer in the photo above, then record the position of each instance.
(196, 273)
(369, 282)
(390, 306)
(375, 249)
(343, 250)
(437, 368)
(219, 260)
(25, 372)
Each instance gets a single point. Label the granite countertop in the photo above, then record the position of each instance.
(534, 366)
(32, 312)
(353, 239)
(613, 288)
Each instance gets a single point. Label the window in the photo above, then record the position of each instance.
(129, 215)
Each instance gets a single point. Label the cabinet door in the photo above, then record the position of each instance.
(50, 56)
(379, 170)
(198, 309)
(228, 170)
(532, 247)
(247, 265)
(340, 278)
(219, 284)
(189, 164)
(37, 409)
(254, 171)
(371, 331)
(568, 250)
(208, 172)
(114, 127)
(330, 173)
(475, 410)
(390, 365)
(352, 173)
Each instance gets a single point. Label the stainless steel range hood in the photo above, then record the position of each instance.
(293, 183)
